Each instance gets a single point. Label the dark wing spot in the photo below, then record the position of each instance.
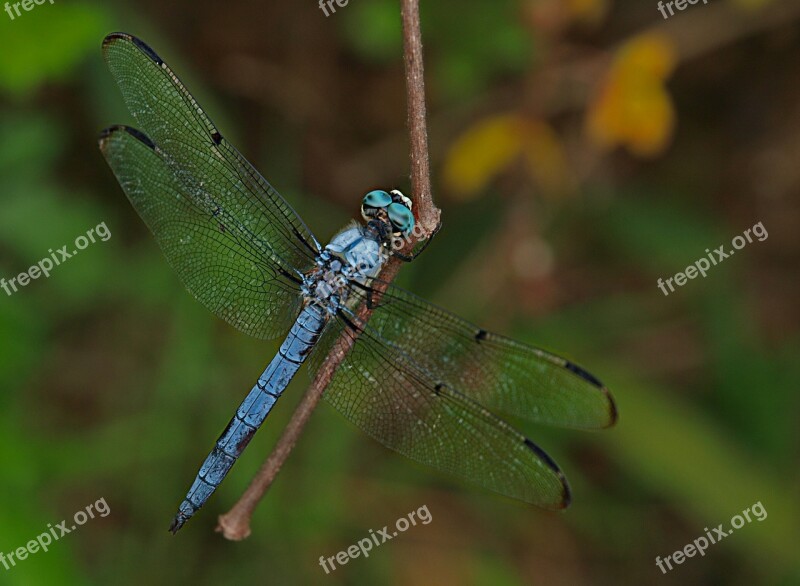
(481, 335)
(141, 45)
(145, 48)
(613, 414)
(582, 373)
(140, 136)
(110, 38)
(543, 455)
(566, 497)
(216, 137)
(107, 132)
(137, 134)
(438, 388)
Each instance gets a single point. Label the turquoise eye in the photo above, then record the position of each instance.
(377, 199)
(401, 217)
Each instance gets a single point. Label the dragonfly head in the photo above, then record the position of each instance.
(390, 208)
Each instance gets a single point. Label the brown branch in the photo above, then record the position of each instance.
(427, 213)
(235, 524)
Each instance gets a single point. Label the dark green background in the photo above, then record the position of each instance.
(115, 383)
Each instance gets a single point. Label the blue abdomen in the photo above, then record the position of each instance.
(253, 411)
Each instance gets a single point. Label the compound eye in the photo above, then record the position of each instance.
(377, 199)
(401, 217)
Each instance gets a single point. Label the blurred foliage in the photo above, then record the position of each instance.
(496, 143)
(459, 63)
(28, 58)
(633, 107)
(579, 155)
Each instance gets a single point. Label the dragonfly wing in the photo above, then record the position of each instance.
(216, 177)
(391, 398)
(227, 271)
(236, 243)
(507, 376)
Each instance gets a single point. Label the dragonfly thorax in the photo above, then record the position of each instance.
(355, 254)
(361, 251)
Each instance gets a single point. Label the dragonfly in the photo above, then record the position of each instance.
(418, 379)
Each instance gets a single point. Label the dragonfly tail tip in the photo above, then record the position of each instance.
(177, 523)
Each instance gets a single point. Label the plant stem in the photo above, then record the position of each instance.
(235, 524)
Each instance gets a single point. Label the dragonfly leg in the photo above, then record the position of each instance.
(416, 253)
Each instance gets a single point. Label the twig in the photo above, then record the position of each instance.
(235, 524)
(427, 213)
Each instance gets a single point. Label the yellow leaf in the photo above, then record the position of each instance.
(633, 107)
(482, 152)
(546, 157)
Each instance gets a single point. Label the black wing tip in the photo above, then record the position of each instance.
(566, 492)
(613, 413)
(107, 133)
(612, 407)
(566, 499)
(584, 374)
(111, 37)
(139, 43)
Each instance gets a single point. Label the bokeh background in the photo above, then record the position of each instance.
(581, 149)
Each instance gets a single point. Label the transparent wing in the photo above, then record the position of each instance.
(385, 393)
(210, 178)
(506, 376)
(190, 143)
(224, 268)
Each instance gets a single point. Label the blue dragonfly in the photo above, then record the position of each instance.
(418, 379)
